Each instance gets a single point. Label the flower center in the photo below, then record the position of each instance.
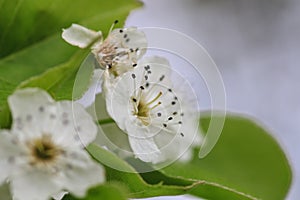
(44, 150)
(143, 108)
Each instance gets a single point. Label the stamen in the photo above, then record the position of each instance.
(134, 65)
(155, 106)
(113, 25)
(170, 118)
(154, 99)
(173, 103)
(182, 134)
(108, 66)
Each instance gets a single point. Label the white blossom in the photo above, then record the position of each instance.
(117, 53)
(161, 120)
(43, 154)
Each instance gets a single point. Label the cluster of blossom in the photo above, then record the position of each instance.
(161, 120)
(43, 155)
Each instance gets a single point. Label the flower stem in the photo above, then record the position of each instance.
(105, 121)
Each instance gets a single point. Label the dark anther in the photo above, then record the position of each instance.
(162, 78)
(165, 125)
(158, 114)
(173, 102)
(134, 65)
(170, 118)
(142, 87)
(133, 76)
(41, 109)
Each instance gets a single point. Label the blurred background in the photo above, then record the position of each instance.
(256, 46)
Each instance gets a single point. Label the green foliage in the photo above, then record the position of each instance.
(247, 163)
(106, 191)
(246, 159)
(31, 45)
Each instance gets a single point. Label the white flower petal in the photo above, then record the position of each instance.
(73, 125)
(94, 88)
(80, 36)
(33, 185)
(9, 152)
(145, 149)
(31, 109)
(28, 101)
(134, 39)
(59, 195)
(81, 174)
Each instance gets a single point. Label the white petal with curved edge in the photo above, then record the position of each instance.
(81, 174)
(94, 88)
(28, 101)
(80, 36)
(33, 185)
(134, 39)
(29, 109)
(145, 149)
(59, 195)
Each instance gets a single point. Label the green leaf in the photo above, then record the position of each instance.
(108, 191)
(30, 43)
(246, 159)
(135, 184)
(4, 192)
(113, 135)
